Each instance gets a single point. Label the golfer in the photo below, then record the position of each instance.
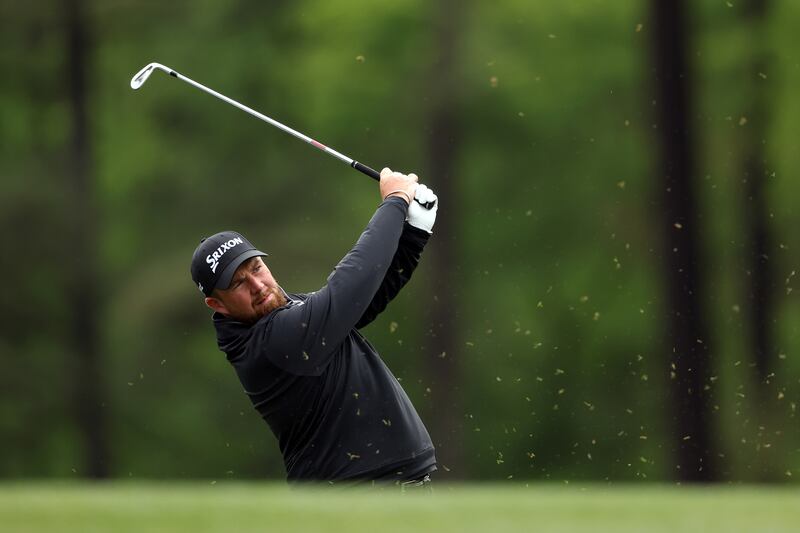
(337, 411)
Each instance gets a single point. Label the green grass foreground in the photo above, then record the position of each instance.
(234, 507)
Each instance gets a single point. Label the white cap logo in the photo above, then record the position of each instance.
(213, 259)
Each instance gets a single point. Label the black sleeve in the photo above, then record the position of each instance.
(302, 338)
(405, 260)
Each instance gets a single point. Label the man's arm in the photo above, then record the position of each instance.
(416, 232)
(405, 260)
(302, 338)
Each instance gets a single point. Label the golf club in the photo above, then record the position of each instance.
(140, 77)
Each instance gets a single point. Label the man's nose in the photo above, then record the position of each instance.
(256, 285)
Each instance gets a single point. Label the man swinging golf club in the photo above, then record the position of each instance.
(337, 411)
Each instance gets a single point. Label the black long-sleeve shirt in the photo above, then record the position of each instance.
(336, 409)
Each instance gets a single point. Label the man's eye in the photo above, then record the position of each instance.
(257, 268)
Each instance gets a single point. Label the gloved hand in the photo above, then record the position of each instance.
(418, 215)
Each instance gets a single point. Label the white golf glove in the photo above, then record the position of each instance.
(420, 216)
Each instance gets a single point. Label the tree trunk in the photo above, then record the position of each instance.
(84, 332)
(442, 151)
(756, 214)
(759, 285)
(689, 351)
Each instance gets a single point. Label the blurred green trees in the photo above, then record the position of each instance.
(543, 288)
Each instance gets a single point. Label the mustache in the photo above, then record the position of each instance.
(264, 294)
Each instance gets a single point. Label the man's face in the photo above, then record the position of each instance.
(253, 293)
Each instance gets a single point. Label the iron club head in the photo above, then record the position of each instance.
(140, 77)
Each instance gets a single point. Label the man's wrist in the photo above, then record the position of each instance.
(410, 228)
(399, 194)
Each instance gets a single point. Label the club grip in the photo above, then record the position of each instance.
(371, 172)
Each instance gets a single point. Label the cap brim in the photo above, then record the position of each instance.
(224, 280)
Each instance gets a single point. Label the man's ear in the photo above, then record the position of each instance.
(217, 305)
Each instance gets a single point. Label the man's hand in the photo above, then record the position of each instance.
(397, 184)
(420, 216)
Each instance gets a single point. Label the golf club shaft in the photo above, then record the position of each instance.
(372, 173)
